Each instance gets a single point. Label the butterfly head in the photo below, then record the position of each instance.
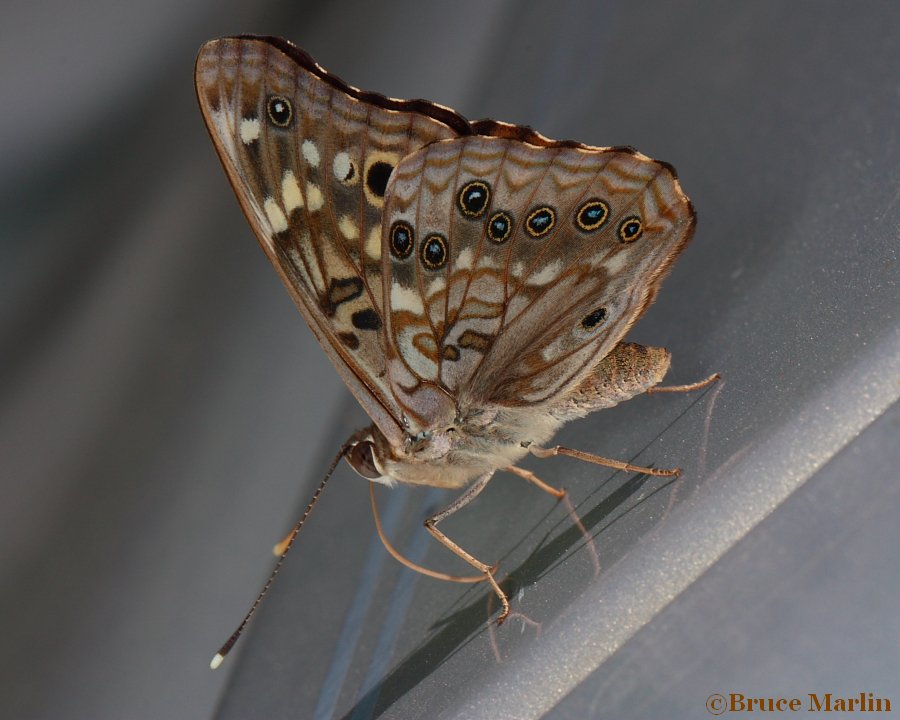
(449, 455)
(419, 460)
(373, 457)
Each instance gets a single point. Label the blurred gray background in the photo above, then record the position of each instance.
(165, 413)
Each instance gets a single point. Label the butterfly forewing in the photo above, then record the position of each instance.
(309, 159)
(532, 263)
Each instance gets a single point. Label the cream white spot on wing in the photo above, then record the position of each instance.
(342, 166)
(373, 243)
(518, 268)
(435, 286)
(547, 274)
(464, 259)
(249, 130)
(487, 261)
(310, 152)
(550, 352)
(290, 192)
(276, 217)
(314, 199)
(348, 227)
(615, 264)
(404, 298)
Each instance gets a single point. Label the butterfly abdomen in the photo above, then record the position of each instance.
(629, 370)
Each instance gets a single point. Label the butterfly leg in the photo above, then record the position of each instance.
(536, 481)
(406, 561)
(686, 388)
(600, 460)
(431, 525)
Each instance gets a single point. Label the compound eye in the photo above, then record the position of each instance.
(362, 459)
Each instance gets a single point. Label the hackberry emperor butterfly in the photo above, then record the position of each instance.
(471, 282)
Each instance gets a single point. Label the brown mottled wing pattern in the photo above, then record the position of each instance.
(309, 158)
(531, 263)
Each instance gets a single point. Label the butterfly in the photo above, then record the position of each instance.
(470, 281)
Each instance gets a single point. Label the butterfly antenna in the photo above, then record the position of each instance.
(286, 546)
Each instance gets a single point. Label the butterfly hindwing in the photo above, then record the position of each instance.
(531, 263)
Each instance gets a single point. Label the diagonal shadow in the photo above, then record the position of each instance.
(460, 627)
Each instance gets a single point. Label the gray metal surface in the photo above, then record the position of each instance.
(805, 604)
(165, 413)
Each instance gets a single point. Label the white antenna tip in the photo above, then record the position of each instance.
(216, 661)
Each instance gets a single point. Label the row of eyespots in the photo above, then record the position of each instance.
(432, 251)
(475, 196)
